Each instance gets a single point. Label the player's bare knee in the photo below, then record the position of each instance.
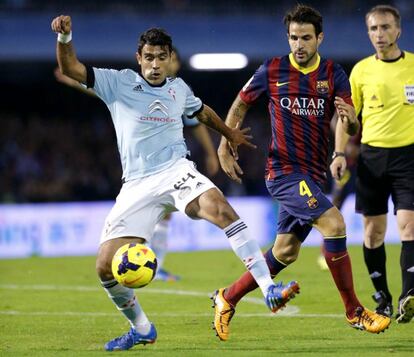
(286, 254)
(103, 269)
(333, 227)
(331, 223)
(213, 207)
(374, 232)
(287, 257)
(374, 239)
(339, 226)
(407, 232)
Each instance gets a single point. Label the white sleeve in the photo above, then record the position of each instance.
(106, 82)
(192, 103)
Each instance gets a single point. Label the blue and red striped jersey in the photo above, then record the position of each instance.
(301, 106)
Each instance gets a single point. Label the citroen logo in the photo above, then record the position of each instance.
(158, 105)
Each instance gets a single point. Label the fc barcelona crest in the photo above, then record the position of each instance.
(322, 87)
(313, 203)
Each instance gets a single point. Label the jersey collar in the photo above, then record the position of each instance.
(305, 70)
(153, 85)
(402, 55)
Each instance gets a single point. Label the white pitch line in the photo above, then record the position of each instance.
(141, 291)
(290, 310)
(168, 314)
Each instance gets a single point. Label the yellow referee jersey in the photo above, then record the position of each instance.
(384, 92)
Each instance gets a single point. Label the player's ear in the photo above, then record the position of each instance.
(138, 56)
(320, 38)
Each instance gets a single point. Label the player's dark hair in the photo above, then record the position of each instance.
(155, 37)
(385, 9)
(304, 14)
(177, 54)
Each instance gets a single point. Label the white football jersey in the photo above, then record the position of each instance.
(147, 119)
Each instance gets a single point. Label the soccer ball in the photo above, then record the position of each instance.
(134, 265)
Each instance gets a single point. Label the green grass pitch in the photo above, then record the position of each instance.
(55, 307)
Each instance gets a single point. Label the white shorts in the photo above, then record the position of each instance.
(143, 202)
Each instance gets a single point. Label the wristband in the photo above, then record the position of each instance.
(64, 37)
(337, 153)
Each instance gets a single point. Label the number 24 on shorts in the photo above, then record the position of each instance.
(178, 185)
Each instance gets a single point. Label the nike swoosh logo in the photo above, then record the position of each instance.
(129, 282)
(334, 259)
(279, 84)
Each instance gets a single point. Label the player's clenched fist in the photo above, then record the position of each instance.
(62, 24)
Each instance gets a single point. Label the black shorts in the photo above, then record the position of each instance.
(382, 172)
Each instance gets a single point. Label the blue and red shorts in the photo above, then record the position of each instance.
(301, 201)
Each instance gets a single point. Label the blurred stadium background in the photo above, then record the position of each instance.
(58, 146)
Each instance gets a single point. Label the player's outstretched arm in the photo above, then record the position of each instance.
(203, 137)
(235, 136)
(66, 57)
(235, 118)
(348, 116)
(227, 153)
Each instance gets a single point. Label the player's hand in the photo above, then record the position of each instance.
(239, 137)
(338, 167)
(62, 24)
(229, 164)
(347, 115)
(212, 164)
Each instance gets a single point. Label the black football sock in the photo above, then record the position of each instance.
(407, 266)
(375, 261)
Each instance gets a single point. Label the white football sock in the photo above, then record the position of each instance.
(159, 242)
(125, 301)
(248, 250)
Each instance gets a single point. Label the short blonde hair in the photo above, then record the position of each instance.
(385, 9)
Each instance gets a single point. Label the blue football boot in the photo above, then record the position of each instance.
(130, 339)
(278, 295)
